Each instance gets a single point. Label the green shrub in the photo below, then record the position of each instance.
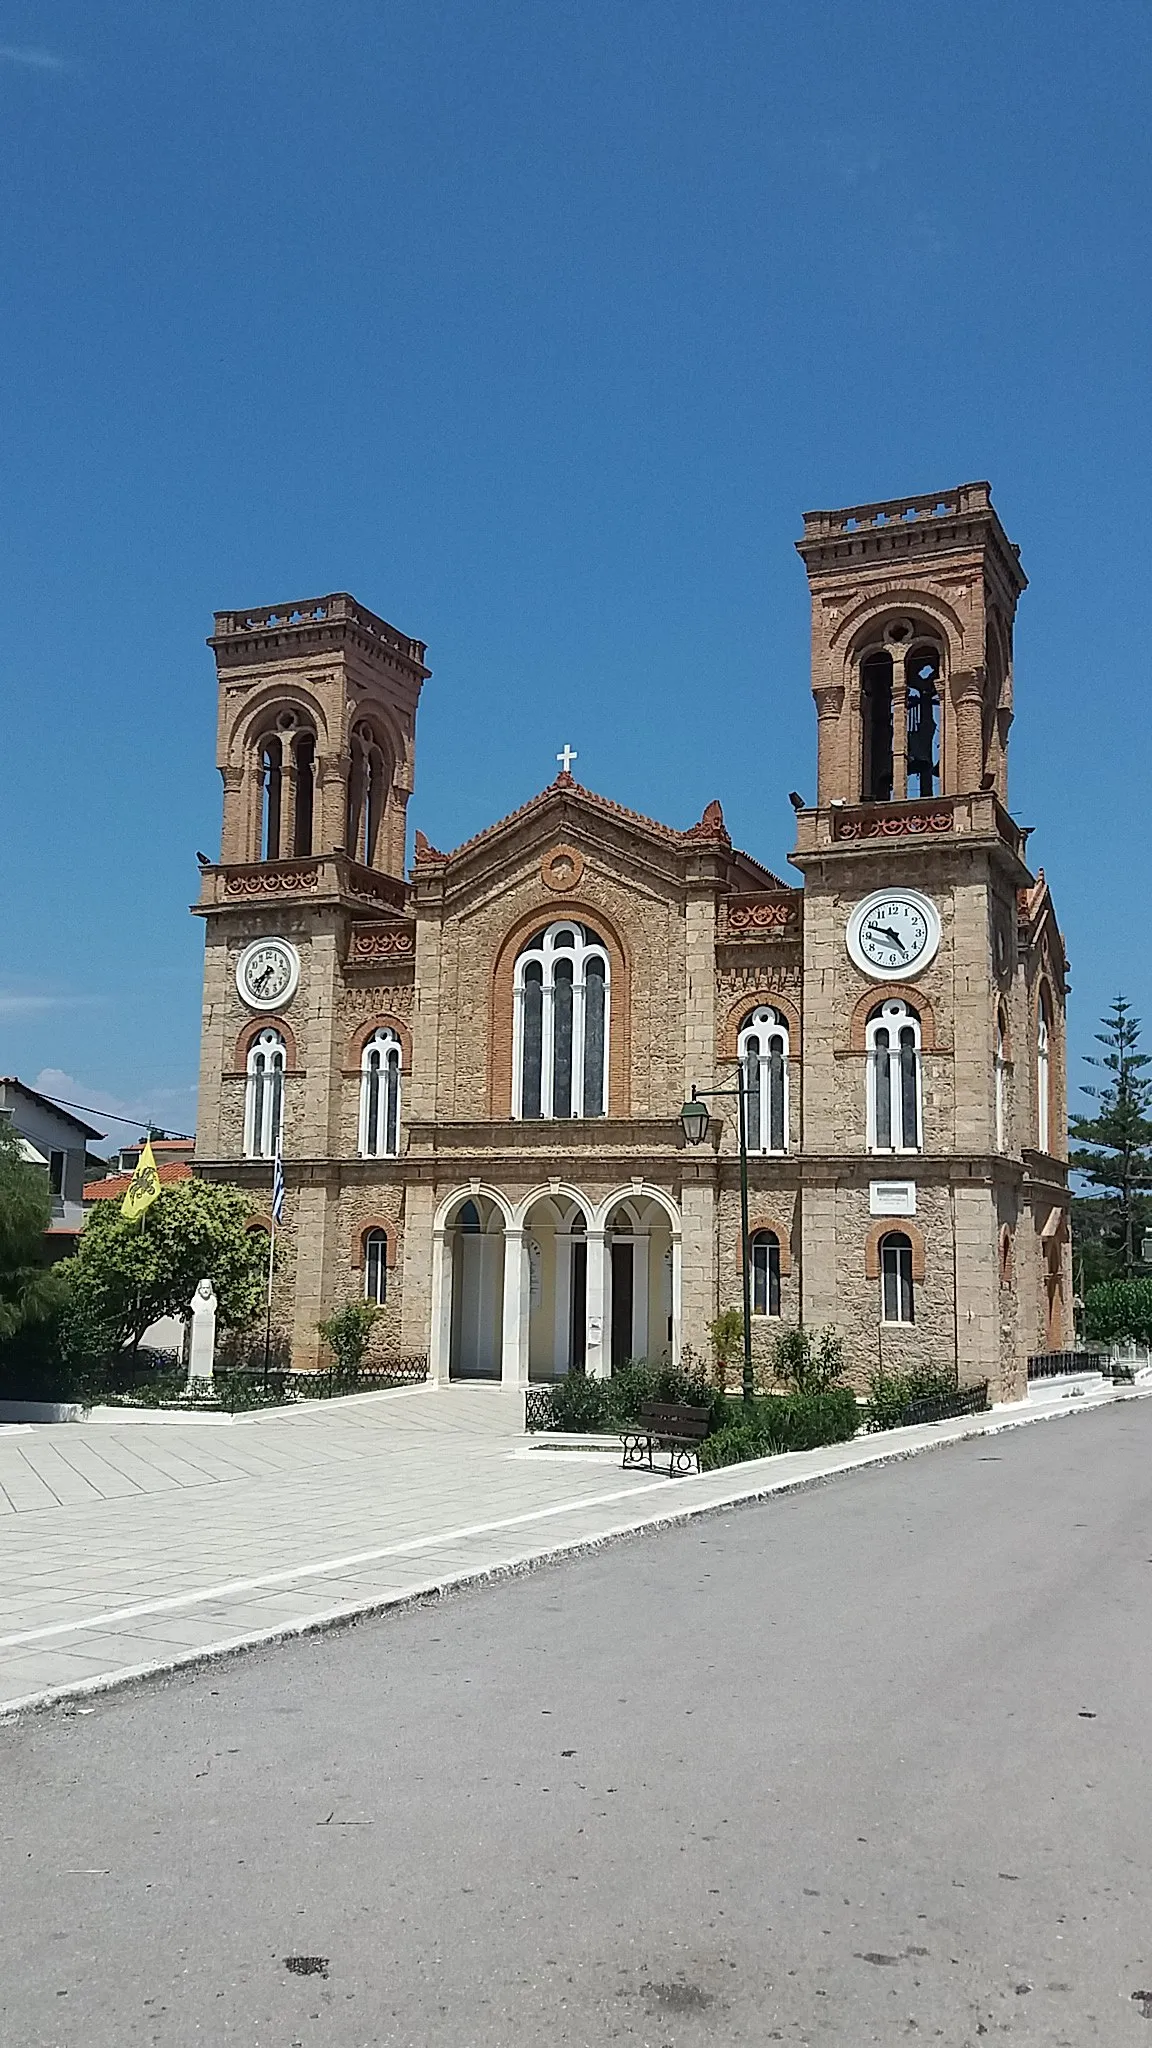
(1119, 1312)
(347, 1333)
(806, 1363)
(782, 1422)
(889, 1393)
(579, 1403)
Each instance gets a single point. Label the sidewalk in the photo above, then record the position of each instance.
(130, 1546)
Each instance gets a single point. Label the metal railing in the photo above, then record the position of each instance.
(1052, 1365)
(941, 1407)
(538, 1411)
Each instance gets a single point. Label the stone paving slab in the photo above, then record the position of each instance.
(169, 1551)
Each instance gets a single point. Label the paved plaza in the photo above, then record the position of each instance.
(132, 1544)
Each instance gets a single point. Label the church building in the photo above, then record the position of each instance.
(474, 1072)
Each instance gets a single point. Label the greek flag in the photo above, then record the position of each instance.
(278, 1189)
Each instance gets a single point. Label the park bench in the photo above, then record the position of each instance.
(669, 1426)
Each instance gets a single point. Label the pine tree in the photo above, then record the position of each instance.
(1114, 1147)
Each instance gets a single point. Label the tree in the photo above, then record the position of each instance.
(124, 1276)
(29, 1290)
(1119, 1312)
(809, 1365)
(1114, 1147)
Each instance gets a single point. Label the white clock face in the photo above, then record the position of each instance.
(267, 973)
(893, 933)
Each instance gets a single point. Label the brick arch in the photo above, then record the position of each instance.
(363, 1032)
(257, 718)
(782, 1235)
(757, 999)
(262, 1223)
(888, 1226)
(860, 619)
(899, 992)
(360, 1232)
(548, 912)
(252, 1030)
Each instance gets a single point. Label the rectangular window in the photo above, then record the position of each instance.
(765, 1275)
(57, 1167)
(898, 1298)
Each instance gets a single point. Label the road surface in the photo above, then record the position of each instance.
(870, 1763)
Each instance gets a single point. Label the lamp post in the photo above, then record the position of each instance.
(694, 1124)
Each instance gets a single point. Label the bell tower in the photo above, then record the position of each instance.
(913, 604)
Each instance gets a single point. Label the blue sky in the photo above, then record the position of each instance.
(537, 328)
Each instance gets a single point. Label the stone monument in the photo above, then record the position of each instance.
(202, 1351)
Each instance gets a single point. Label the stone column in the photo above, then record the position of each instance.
(417, 1310)
(830, 780)
(596, 1348)
(694, 1269)
(440, 1317)
(899, 732)
(677, 1265)
(967, 765)
(514, 1348)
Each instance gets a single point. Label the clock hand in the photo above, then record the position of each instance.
(888, 933)
(262, 984)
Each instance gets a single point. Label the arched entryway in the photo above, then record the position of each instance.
(474, 1255)
(556, 1255)
(641, 1281)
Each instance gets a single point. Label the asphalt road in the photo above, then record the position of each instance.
(869, 1763)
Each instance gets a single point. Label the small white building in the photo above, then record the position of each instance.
(57, 1140)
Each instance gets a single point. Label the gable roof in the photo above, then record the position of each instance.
(710, 830)
(119, 1183)
(46, 1102)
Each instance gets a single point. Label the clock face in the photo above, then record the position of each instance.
(267, 973)
(894, 932)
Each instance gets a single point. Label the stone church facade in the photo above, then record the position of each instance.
(475, 1073)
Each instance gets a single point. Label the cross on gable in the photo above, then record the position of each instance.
(566, 759)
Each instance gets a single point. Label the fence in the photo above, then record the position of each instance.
(941, 1407)
(1051, 1365)
(538, 1411)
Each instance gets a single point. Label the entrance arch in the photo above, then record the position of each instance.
(557, 1254)
(642, 1276)
(468, 1259)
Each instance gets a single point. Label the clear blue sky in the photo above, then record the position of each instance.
(537, 327)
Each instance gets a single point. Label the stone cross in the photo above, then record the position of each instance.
(202, 1351)
(567, 757)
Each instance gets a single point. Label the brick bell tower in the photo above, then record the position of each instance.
(316, 731)
(915, 953)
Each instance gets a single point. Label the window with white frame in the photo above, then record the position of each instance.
(897, 1287)
(1000, 1077)
(380, 1095)
(1043, 1078)
(561, 998)
(764, 1257)
(264, 1096)
(763, 1052)
(894, 1085)
(376, 1266)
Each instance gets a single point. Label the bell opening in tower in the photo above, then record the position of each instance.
(876, 703)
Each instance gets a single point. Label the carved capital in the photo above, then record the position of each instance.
(829, 699)
(966, 685)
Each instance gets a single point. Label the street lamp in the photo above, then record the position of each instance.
(694, 1122)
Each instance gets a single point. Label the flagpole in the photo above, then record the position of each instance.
(268, 1305)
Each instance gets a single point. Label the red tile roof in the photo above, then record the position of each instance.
(119, 1183)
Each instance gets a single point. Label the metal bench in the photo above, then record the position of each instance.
(669, 1426)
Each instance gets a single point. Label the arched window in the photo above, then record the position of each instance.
(304, 763)
(560, 1024)
(762, 1048)
(897, 1288)
(367, 794)
(376, 1266)
(921, 676)
(893, 1042)
(1000, 1077)
(264, 1096)
(271, 778)
(764, 1257)
(380, 1096)
(1043, 1079)
(876, 708)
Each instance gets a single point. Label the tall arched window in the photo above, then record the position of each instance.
(271, 778)
(876, 708)
(304, 765)
(1000, 1078)
(897, 1288)
(762, 1048)
(376, 1266)
(893, 1042)
(1043, 1078)
(367, 794)
(764, 1257)
(921, 675)
(561, 998)
(264, 1096)
(380, 1096)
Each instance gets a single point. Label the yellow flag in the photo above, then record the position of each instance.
(143, 1187)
